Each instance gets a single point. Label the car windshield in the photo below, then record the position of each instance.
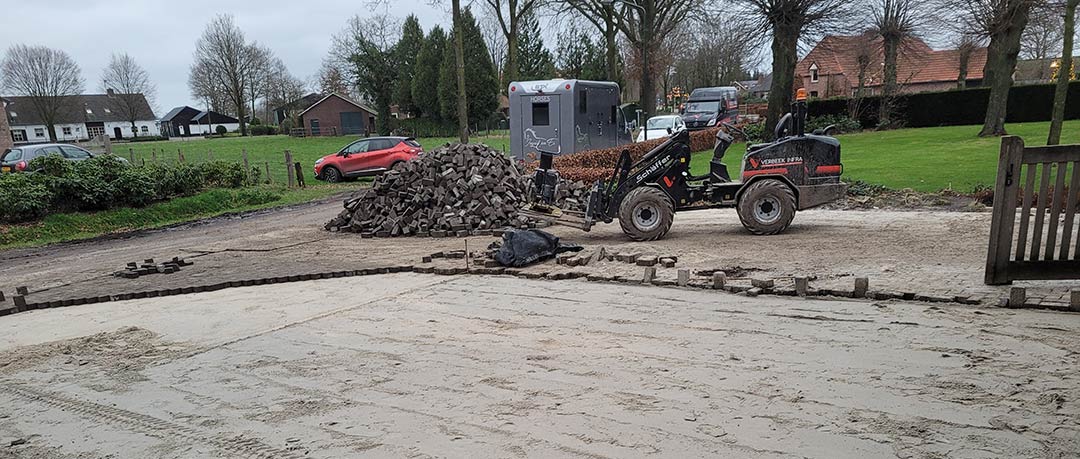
(660, 123)
(12, 155)
(703, 107)
(412, 143)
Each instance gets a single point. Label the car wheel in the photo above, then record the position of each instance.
(767, 207)
(331, 174)
(646, 214)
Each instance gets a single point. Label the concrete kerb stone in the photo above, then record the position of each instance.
(1074, 300)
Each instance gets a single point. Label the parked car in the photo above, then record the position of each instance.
(18, 159)
(365, 157)
(659, 127)
(708, 107)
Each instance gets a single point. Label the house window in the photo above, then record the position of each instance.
(813, 94)
(583, 102)
(88, 111)
(39, 132)
(814, 73)
(14, 115)
(67, 131)
(540, 114)
(106, 110)
(95, 131)
(18, 135)
(145, 130)
(134, 130)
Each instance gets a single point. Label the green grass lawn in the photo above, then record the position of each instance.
(211, 203)
(265, 150)
(926, 159)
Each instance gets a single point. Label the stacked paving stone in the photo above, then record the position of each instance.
(455, 190)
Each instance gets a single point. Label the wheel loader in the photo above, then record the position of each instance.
(796, 171)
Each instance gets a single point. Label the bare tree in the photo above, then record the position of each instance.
(49, 77)
(282, 89)
(229, 60)
(1003, 23)
(1065, 73)
(895, 22)
(703, 61)
(601, 15)
(1043, 35)
(367, 48)
(257, 80)
(508, 14)
(331, 79)
(966, 45)
(496, 44)
(646, 24)
(789, 21)
(208, 89)
(132, 90)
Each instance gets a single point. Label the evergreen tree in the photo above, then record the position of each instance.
(533, 59)
(579, 58)
(407, 51)
(425, 81)
(481, 82)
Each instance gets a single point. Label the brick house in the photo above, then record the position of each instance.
(337, 115)
(5, 131)
(82, 118)
(832, 68)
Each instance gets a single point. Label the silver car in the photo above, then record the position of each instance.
(18, 159)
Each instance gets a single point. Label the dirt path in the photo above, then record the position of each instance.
(937, 253)
(424, 366)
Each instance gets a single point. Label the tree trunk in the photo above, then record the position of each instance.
(961, 77)
(51, 128)
(239, 116)
(134, 130)
(612, 51)
(785, 57)
(891, 45)
(1000, 64)
(647, 96)
(1065, 69)
(512, 44)
(459, 56)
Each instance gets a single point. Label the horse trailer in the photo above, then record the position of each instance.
(564, 116)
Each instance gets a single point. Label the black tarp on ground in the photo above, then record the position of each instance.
(524, 247)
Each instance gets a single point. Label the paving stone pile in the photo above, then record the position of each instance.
(455, 190)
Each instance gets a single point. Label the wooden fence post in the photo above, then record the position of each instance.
(108, 143)
(299, 174)
(153, 154)
(131, 155)
(268, 179)
(210, 155)
(1006, 192)
(288, 168)
(180, 156)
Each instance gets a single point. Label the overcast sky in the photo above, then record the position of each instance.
(161, 35)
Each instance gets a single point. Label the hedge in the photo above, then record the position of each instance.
(955, 108)
(105, 182)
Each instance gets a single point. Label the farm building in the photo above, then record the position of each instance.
(337, 115)
(82, 118)
(5, 131)
(186, 121)
(287, 111)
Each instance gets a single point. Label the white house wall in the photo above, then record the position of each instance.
(211, 129)
(79, 131)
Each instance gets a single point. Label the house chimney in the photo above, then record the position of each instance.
(110, 92)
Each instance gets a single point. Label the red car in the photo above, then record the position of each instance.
(364, 157)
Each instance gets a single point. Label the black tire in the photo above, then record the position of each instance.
(646, 214)
(331, 174)
(767, 207)
(396, 165)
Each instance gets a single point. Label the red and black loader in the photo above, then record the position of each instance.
(794, 172)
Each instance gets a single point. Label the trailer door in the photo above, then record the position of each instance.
(540, 124)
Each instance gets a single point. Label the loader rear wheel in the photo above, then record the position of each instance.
(767, 207)
(646, 214)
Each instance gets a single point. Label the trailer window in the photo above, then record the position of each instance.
(583, 102)
(614, 110)
(540, 114)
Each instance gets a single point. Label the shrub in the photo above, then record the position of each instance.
(52, 165)
(223, 174)
(842, 124)
(25, 196)
(263, 129)
(147, 138)
(755, 132)
(221, 130)
(135, 186)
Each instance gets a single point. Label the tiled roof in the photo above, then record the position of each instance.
(81, 109)
(917, 62)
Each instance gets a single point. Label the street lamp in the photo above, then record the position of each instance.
(645, 48)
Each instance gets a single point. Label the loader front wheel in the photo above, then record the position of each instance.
(646, 214)
(767, 207)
